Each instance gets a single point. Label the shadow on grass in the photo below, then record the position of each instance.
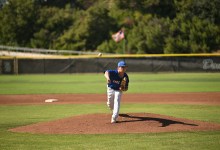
(164, 122)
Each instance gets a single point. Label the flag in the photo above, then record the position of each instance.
(117, 37)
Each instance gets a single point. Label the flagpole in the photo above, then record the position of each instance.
(124, 45)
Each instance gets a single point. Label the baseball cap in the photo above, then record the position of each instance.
(121, 64)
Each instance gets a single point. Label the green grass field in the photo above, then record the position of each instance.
(95, 83)
(13, 116)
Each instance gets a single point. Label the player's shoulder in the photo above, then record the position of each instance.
(112, 71)
(126, 75)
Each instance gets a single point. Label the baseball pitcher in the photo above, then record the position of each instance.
(117, 82)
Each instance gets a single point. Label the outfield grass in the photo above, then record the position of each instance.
(95, 83)
(13, 116)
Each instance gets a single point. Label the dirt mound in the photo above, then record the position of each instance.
(127, 123)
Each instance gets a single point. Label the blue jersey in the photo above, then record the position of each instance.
(116, 80)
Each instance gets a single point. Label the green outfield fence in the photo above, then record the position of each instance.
(94, 64)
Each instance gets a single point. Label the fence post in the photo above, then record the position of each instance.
(15, 65)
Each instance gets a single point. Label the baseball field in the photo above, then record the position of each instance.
(159, 111)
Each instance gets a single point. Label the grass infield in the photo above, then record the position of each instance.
(13, 116)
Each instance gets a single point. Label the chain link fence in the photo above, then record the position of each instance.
(152, 64)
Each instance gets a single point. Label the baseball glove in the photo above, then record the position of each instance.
(123, 86)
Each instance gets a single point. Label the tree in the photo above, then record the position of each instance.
(148, 36)
(160, 8)
(192, 36)
(89, 30)
(203, 9)
(51, 25)
(151, 26)
(17, 22)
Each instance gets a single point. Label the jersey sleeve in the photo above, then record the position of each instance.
(110, 73)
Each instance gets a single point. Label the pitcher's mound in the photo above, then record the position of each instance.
(127, 123)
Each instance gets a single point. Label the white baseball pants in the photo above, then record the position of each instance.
(113, 101)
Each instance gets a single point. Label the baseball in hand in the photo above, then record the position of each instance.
(100, 54)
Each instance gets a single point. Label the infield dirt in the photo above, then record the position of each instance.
(208, 98)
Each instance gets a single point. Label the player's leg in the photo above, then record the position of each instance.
(110, 98)
(117, 101)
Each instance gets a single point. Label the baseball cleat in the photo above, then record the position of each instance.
(113, 120)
